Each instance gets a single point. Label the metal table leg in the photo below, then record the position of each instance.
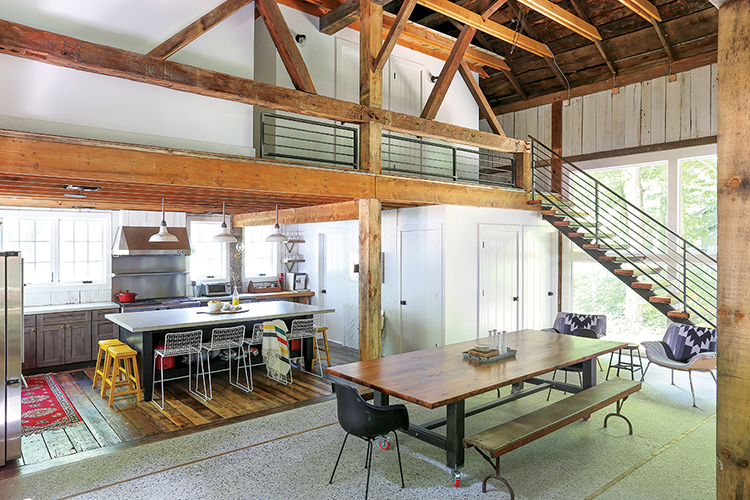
(589, 373)
(455, 430)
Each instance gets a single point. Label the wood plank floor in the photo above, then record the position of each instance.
(129, 421)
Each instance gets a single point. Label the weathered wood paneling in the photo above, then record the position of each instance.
(642, 114)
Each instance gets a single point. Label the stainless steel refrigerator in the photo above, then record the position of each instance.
(11, 347)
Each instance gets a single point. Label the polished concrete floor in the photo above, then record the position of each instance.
(291, 455)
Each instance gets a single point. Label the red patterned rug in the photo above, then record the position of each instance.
(44, 406)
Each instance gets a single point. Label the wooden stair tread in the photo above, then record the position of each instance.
(607, 258)
(575, 235)
(627, 272)
(646, 286)
(561, 223)
(660, 300)
(589, 246)
(549, 212)
(534, 202)
(678, 314)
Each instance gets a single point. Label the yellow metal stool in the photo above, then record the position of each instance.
(101, 358)
(121, 360)
(327, 357)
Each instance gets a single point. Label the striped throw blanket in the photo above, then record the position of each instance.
(276, 351)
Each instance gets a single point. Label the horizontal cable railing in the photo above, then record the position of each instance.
(318, 142)
(288, 137)
(431, 158)
(675, 267)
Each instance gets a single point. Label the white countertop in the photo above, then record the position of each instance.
(90, 306)
(166, 319)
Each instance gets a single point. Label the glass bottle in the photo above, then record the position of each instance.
(235, 298)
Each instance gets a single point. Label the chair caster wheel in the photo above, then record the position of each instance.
(456, 478)
(384, 442)
(587, 417)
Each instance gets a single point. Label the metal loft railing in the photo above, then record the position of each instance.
(637, 248)
(406, 154)
(309, 141)
(325, 143)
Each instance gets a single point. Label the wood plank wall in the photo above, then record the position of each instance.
(652, 112)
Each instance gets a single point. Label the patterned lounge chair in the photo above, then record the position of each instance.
(684, 347)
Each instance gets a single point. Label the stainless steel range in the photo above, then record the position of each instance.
(159, 304)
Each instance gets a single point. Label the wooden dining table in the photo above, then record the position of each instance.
(441, 376)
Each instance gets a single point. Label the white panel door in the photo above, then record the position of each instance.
(539, 277)
(421, 289)
(347, 71)
(498, 277)
(332, 285)
(403, 82)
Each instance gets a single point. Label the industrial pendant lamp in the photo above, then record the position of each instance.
(224, 236)
(163, 236)
(276, 235)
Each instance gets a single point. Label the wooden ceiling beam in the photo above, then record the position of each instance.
(492, 28)
(60, 50)
(393, 33)
(598, 43)
(343, 15)
(436, 44)
(450, 67)
(563, 17)
(492, 9)
(663, 39)
(197, 28)
(516, 85)
(643, 8)
(532, 33)
(285, 45)
(345, 210)
(485, 110)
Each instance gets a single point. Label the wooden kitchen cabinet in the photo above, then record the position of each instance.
(63, 338)
(102, 329)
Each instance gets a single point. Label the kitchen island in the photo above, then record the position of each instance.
(144, 330)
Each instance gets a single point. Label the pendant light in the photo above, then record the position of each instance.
(276, 235)
(163, 236)
(224, 236)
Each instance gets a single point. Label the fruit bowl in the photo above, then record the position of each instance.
(214, 305)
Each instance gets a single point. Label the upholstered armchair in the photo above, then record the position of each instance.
(684, 347)
(566, 323)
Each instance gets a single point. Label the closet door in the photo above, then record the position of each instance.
(421, 289)
(539, 277)
(402, 85)
(499, 296)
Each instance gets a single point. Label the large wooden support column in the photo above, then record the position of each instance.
(370, 84)
(733, 346)
(556, 146)
(369, 279)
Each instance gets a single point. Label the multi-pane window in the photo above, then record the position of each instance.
(58, 250)
(260, 257)
(209, 258)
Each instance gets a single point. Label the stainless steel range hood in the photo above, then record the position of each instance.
(131, 240)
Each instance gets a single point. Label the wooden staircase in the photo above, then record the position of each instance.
(567, 220)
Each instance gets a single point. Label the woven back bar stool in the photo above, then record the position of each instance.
(181, 344)
(302, 329)
(121, 361)
(101, 358)
(228, 338)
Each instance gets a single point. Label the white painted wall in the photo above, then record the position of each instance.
(652, 112)
(38, 97)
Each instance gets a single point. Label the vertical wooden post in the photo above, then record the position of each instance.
(556, 146)
(522, 165)
(369, 279)
(370, 84)
(733, 311)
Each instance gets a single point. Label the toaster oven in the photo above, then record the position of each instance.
(208, 289)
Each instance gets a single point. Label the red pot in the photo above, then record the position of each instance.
(126, 296)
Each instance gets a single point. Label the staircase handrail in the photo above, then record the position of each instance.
(627, 203)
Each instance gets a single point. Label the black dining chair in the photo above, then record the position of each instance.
(368, 422)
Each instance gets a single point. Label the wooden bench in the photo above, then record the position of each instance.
(513, 434)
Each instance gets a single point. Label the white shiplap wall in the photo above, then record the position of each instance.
(652, 112)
